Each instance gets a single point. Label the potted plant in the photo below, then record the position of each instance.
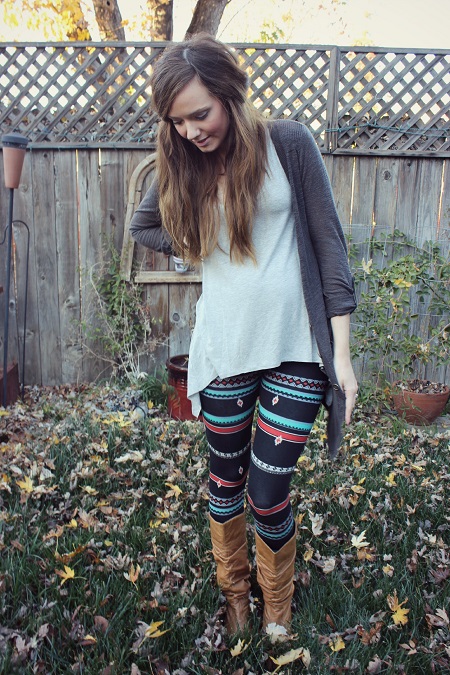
(402, 328)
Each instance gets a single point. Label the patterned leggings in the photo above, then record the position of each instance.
(289, 399)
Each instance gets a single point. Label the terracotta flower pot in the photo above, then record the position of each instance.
(179, 406)
(418, 407)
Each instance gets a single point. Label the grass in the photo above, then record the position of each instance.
(105, 560)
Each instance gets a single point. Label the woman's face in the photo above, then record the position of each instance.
(199, 117)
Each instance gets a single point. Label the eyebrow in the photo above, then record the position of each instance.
(193, 114)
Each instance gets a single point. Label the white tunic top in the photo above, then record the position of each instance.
(249, 317)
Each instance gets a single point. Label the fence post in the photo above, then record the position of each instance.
(331, 142)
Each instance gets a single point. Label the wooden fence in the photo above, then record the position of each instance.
(73, 199)
(89, 136)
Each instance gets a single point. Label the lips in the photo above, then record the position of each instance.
(202, 141)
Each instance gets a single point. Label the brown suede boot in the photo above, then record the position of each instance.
(229, 546)
(275, 575)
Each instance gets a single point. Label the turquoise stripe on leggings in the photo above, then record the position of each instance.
(228, 420)
(283, 421)
(315, 398)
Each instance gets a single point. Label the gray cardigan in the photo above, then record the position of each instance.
(326, 277)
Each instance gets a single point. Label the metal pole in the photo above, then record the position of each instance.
(7, 291)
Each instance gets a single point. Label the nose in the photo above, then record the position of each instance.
(192, 130)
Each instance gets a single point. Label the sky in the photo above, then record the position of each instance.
(382, 23)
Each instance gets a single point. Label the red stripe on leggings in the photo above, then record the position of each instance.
(294, 438)
(227, 483)
(268, 512)
(227, 430)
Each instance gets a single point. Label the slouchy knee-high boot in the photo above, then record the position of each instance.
(275, 575)
(230, 551)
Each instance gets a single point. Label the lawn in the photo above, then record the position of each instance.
(105, 557)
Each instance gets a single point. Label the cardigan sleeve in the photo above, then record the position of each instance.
(146, 225)
(324, 227)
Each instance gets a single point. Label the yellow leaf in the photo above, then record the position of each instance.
(73, 523)
(391, 478)
(26, 485)
(337, 644)
(417, 468)
(398, 612)
(240, 647)
(89, 640)
(290, 656)
(3, 412)
(153, 630)
(359, 541)
(154, 524)
(68, 573)
(133, 573)
(90, 490)
(175, 489)
(308, 554)
(358, 489)
(163, 514)
(388, 570)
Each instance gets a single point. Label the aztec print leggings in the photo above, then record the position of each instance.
(289, 400)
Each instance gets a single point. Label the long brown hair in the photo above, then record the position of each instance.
(187, 178)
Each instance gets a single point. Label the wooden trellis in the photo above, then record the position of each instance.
(356, 100)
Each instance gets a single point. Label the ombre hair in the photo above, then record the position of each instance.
(188, 178)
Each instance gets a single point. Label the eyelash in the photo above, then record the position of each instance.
(198, 117)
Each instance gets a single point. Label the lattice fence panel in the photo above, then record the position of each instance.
(290, 83)
(354, 100)
(394, 101)
(73, 94)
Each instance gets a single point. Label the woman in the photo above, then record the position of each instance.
(251, 199)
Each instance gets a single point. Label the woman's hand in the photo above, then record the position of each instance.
(346, 379)
(347, 382)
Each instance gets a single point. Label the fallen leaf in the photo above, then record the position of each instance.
(337, 644)
(359, 541)
(153, 630)
(65, 575)
(277, 633)
(292, 656)
(399, 614)
(317, 523)
(132, 574)
(240, 647)
(174, 490)
(88, 640)
(101, 623)
(26, 485)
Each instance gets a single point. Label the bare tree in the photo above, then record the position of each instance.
(160, 19)
(207, 16)
(109, 19)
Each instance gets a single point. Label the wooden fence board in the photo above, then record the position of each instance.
(342, 182)
(91, 259)
(66, 199)
(46, 266)
(24, 210)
